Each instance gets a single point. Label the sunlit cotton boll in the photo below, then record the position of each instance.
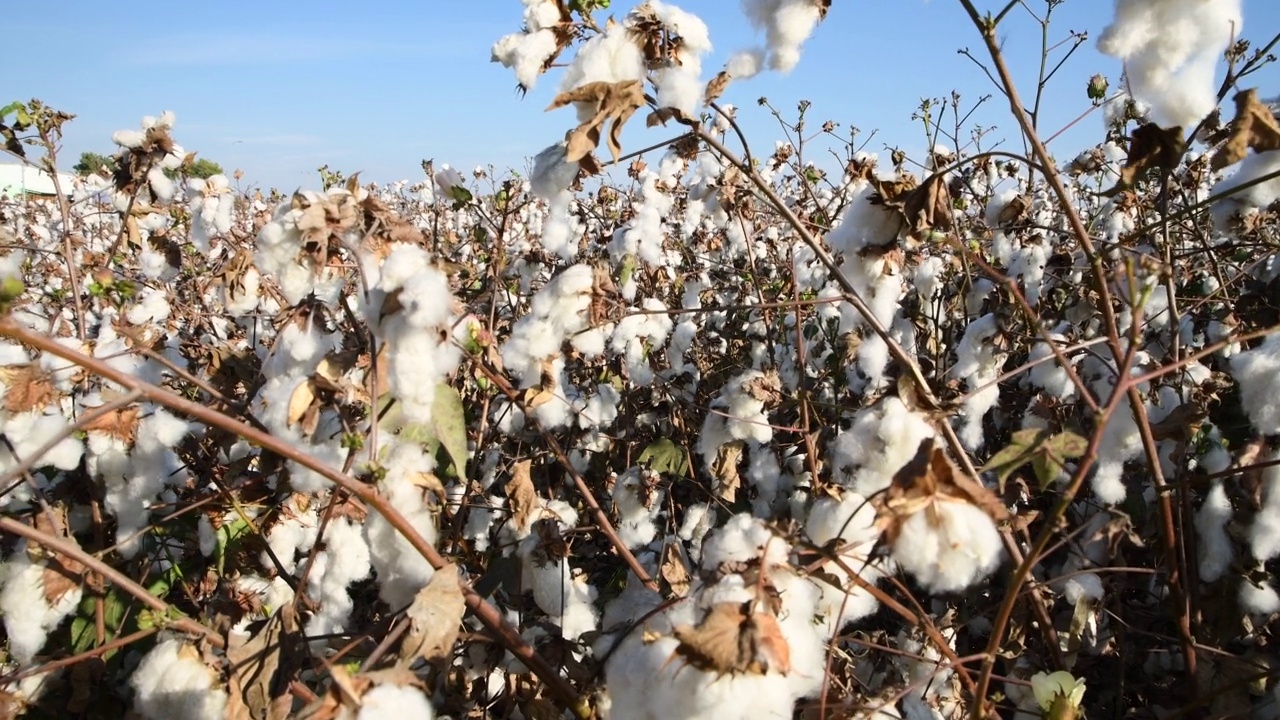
(391, 702)
(173, 682)
(949, 546)
(29, 612)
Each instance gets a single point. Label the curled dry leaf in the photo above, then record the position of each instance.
(733, 639)
(675, 569)
(120, 424)
(434, 618)
(928, 478)
(1254, 127)
(1150, 147)
(716, 87)
(614, 103)
(725, 470)
(521, 494)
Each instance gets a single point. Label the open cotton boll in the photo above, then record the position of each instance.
(1171, 49)
(1264, 533)
(1261, 599)
(611, 57)
(1215, 548)
(786, 24)
(851, 522)
(637, 503)
(948, 546)
(29, 612)
(392, 702)
(1258, 372)
(402, 571)
(344, 560)
(172, 682)
(744, 538)
(881, 440)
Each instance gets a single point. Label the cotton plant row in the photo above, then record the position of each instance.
(755, 441)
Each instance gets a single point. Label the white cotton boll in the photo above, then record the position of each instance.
(294, 535)
(1258, 372)
(172, 682)
(161, 186)
(152, 306)
(1260, 195)
(1264, 533)
(552, 174)
(787, 24)
(344, 560)
(1049, 375)
(128, 138)
(395, 702)
(610, 57)
(1083, 586)
(526, 53)
(1259, 599)
(637, 505)
(401, 569)
(851, 522)
(28, 615)
(744, 538)
(1215, 549)
(567, 600)
(745, 64)
(242, 299)
(950, 547)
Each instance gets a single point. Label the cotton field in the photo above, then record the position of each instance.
(709, 431)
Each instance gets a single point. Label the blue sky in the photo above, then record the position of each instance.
(278, 89)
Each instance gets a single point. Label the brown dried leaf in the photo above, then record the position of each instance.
(1150, 147)
(521, 493)
(120, 424)
(434, 618)
(928, 207)
(927, 478)
(725, 470)
(303, 397)
(28, 388)
(732, 639)
(675, 569)
(614, 103)
(716, 87)
(1254, 127)
(254, 662)
(61, 576)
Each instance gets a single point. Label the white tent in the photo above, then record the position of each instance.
(18, 179)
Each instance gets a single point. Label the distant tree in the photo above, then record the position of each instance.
(204, 169)
(91, 162)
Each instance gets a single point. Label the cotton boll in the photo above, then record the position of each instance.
(28, 611)
(1261, 599)
(1083, 586)
(741, 539)
(1215, 548)
(1171, 50)
(394, 702)
(1264, 533)
(851, 522)
(172, 682)
(1258, 372)
(637, 504)
(401, 569)
(948, 546)
(344, 560)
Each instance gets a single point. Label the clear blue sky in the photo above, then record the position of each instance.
(279, 88)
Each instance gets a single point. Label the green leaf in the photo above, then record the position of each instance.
(1067, 445)
(230, 536)
(1046, 467)
(1021, 449)
(449, 422)
(460, 194)
(665, 456)
(628, 269)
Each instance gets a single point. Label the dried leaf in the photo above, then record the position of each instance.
(303, 397)
(27, 388)
(252, 689)
(1254, 127)
(120, 424)
(716, 87)
(434, 618)
(614, 103)
(928, 478)
(732, 639)
(725, 470)
(675, 569)
(1150, 147)
(521, 494)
